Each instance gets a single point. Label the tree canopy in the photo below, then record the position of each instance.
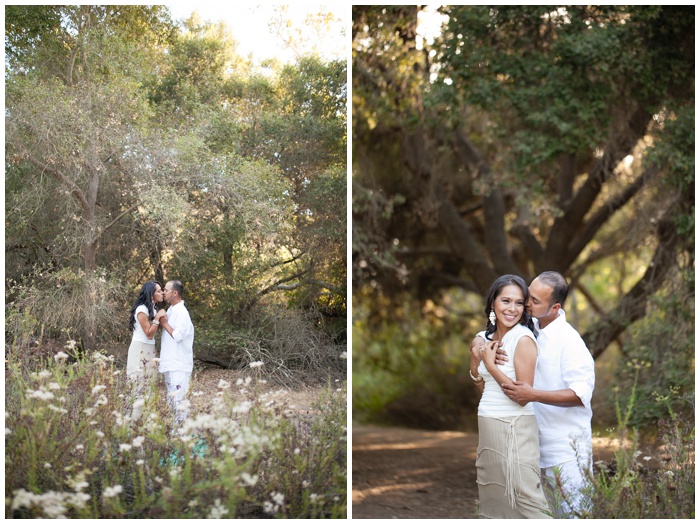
(527, 138)
(139, 147)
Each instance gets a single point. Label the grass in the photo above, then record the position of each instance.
(73, 449)
(646, 485)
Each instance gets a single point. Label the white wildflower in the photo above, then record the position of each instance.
(57, 409)
(111, 491)
(313, 497)
(669, 474)
(647, 458)
(47, 465)
(78, 500)
(60, 356)
(343, 355)
(277, 498)
(223, 384)
(101, 400)
(250, 480)
(71, 344)
(297, 451)
(23, 498)
(138, 441)
(256, 364)
(218, 511)
(183, 405)
(54, 385)
(41, 394)
(78, 447)
(99, 433)
(43, 374)
(98, 388)
(125, 447)
(78, 483)
(140, 462)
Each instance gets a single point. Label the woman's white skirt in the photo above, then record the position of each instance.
(139, 363)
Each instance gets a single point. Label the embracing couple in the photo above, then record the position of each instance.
(536, 378)
(177, 339)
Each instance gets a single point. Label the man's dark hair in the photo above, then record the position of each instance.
(559, 285)
(177, 286)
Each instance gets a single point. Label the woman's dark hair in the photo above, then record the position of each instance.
(495, 291)
(146, 298)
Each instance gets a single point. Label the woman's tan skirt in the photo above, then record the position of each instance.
(508, 469)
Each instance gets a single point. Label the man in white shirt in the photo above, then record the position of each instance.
(176, 353)
(561, 396)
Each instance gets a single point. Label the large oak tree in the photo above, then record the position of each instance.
(525, 139)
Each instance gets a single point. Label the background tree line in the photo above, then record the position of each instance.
(139, 147)
(524, 139)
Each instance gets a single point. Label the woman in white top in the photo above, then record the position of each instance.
(508, 469)
(144, 322)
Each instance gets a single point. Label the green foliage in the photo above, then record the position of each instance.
(659, 486)
(75, 449)
(311, 462)
(553, 95)
(139, 148)
(414, 372)
(666, 330)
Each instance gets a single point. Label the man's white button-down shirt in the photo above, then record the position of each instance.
(564, 362)
(176, 350)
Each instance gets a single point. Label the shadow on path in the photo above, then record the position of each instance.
(405, 473)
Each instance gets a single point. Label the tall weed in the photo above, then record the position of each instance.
(647, 485)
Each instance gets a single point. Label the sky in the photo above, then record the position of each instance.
(248, 24)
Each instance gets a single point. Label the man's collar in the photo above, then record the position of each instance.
(557, 321)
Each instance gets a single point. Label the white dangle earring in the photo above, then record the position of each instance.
(492, 317)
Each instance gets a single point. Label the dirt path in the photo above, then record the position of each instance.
(403, 473)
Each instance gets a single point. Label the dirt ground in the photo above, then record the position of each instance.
(404, 473)
(205, 379)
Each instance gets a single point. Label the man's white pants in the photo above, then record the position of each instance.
(178, 384)
(569, 477)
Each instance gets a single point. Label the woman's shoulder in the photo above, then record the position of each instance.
(141, 308)
(519, 331)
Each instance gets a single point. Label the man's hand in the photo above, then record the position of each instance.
(161, 313)
(475, 348)
(501, 355)
(520, 392)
